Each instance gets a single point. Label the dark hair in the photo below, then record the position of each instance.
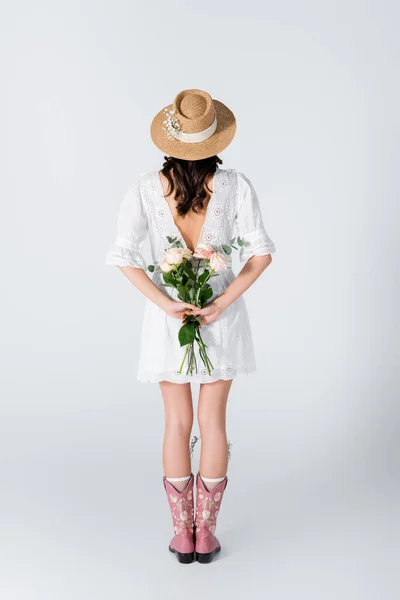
(189, 180)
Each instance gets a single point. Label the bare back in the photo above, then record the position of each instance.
(191, 224)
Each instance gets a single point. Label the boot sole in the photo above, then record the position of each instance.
(185, 558)
(207, 558)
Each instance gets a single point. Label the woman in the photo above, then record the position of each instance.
(198, 205)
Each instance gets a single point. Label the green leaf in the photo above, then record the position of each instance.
(171, 239)
(203, 276)
(151, 268)
(205, 295)
(182, 292)
(240, 241)
(232, 241)
(186, 334)
(177, 244)
(189, 271)
(227, 249)
(169, 279)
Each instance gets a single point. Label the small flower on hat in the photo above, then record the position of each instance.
(172, 124)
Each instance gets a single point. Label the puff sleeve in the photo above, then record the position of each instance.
(132, 230)
(249, 222)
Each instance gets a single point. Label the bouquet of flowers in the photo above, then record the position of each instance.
(189, 273)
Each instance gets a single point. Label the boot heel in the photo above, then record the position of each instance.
(207, 558)
(183, 557)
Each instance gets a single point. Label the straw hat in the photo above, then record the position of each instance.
(194, 127)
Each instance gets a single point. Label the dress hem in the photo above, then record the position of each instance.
(174, 377)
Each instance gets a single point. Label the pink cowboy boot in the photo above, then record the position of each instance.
(207, 508)
(182, 511)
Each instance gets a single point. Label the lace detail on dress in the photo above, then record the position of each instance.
(249, 221)
(125, 257)
(220, 212)
(225, 373)
(132, 229)
(150, 189)
(256, 243)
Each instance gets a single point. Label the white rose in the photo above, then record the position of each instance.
(164, 266)
(174, 256)
(218, 262)
(187, 253)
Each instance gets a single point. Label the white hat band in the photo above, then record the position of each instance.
(188, 138)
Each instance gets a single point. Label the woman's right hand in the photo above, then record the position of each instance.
(178, 310)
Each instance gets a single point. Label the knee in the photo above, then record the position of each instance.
(210, 425)
(180, 426)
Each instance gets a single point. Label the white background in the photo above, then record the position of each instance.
(310, 510)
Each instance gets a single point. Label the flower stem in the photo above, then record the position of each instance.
(203, 352)
(184, 356)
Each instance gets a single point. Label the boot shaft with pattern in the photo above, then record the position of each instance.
(207, 509)
(181, 505)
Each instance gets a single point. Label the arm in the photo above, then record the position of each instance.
(247, 276)
(126, 251)
(140, 279)
(255, 252)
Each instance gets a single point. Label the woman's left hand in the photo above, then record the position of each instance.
(209, 313)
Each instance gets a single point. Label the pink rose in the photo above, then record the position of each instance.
(203, 251)
(218, 262)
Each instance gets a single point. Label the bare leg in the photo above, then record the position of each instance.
(178, 426)
(211, 415)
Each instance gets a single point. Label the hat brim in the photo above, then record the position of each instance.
(220, 139)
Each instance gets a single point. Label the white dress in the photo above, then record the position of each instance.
(233, 210)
